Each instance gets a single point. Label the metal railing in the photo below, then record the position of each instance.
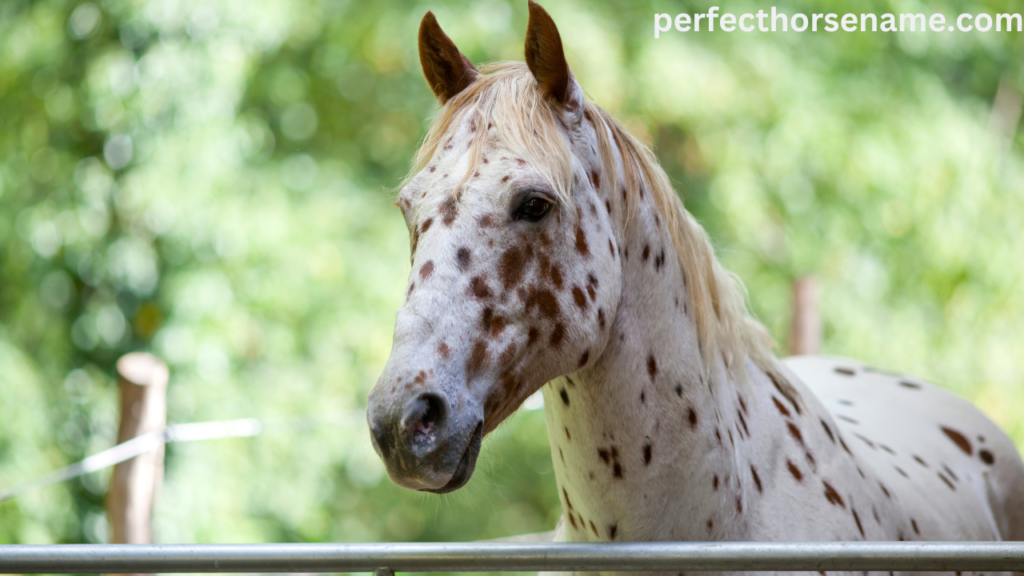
(514, 557)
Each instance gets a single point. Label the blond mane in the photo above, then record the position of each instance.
(505, 97)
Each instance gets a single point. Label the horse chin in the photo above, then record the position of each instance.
(464, 470)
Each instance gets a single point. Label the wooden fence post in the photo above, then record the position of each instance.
(135, 483)
(805, 330)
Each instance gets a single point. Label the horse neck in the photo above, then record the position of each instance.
(643, 446)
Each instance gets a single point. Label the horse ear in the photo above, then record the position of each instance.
(546, 59)
(448, 72)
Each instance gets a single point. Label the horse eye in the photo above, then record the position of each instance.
(533, 209)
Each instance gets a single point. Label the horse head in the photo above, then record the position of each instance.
(515, 274)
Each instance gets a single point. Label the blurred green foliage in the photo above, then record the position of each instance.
(212, 181)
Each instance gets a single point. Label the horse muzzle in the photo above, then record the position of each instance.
(423, 444)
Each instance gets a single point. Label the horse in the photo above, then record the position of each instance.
(550, 251)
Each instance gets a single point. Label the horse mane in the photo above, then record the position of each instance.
(505, 97)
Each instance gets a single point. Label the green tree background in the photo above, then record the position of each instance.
(212, 181)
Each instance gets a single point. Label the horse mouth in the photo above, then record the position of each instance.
(466, 464)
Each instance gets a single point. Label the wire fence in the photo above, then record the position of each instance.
(515, 557)
(186, 432)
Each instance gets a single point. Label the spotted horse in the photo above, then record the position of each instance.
(549, 251)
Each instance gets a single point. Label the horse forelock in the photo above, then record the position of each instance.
(505, 97)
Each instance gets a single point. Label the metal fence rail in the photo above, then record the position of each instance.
(515, 557)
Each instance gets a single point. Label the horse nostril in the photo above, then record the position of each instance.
(425, 423)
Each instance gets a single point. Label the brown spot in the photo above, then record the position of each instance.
(911, 385)
(652, 367)
(544, 301)
(611, 248)
(845, 447)
(432, 167)
(605, 456)
(617, 470)
(572, 521)
(865, 440)
(827, 430)
(844, 371)
(794, 431)
(647, 454)
(743, 421)
(913, 524)
(591, 293)
(679, 391)
(565, 400)
(426, 225)
(608, 207)
(647, 252)
(581, 241)
(579, 297)
(443, 350)
(479, 287)
(920, 460)
(532, 336)
(498, 324)
(885, 490)
(512, 266)
(594, 528)
(757, 479)
(449, 210)
(477, 357)
(692, 415)
(612, 531)
(557, 334)
(595, 179)
(556, 277)
(986, 457)
(781, 407)
(959, 439)
(584, 358)
(409, 291)
(710, 524)
(427, 269)
(833, 496)
(462, 257)
(856, 519)
(714, 483)
(950, 472)
(739, 504)
(902, 473)
(946, 480)
(568, 503)
(600, 318)
(794, 471)
(786, 391)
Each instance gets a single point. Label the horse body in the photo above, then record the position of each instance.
(549, 247)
